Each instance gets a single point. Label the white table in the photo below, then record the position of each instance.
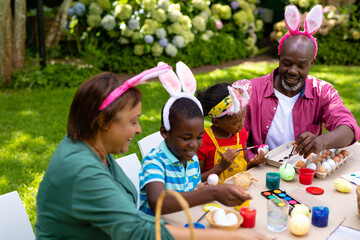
(342, 206)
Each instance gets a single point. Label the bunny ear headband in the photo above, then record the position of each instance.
(313, 22)
(132, 82)
(173, 84)
(239, 96)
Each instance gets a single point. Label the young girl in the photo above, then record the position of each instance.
(221, 151)
(174, 165)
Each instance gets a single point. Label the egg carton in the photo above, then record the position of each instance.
(333, 168)
(279, 156)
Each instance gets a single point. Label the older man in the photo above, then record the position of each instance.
(290, 105)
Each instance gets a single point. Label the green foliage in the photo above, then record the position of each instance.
(108, 56)
(53, 75)
(334, 50)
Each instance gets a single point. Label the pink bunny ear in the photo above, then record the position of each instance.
(136, 80)
(292, 18)
(186, 77)
(314, 19)
(170, 81)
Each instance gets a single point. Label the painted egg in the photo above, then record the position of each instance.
(326, 165)
(345, 153)
(300, 164)
(213, 179)
(342, 185)
(321, 169)
(300, 209)
(299, 224)
(311, 166)
(287, 172)
(264, 147)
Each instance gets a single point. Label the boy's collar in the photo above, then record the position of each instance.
(172, 159)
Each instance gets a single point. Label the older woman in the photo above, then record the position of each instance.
(84, 193)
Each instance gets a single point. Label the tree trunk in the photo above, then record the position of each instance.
(55, 32)
(6, 66)
(19, 34)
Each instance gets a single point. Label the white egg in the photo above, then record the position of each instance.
(331, 162)
(311, 166)
(213, 179)
(219, 216)
(225, 220)
(327, 166)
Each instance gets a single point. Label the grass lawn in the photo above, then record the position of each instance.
(32, 122)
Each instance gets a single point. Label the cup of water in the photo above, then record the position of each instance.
(277, 214)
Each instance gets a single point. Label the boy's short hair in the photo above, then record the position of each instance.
(85, 119)
(210, 97)
(182, 109)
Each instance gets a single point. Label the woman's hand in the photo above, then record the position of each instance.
(230, 194)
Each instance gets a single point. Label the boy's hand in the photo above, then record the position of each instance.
(228, 157)
(201, 185)
(231, 194)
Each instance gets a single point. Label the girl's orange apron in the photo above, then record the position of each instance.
(238, 165)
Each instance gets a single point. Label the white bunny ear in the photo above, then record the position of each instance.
(292, 18)
(235, 96)
(314, 19)
(186, 77)
(170, 82)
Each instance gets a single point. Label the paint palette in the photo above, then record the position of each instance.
(282, 195)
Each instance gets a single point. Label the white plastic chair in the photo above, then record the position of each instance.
(130, 164)
(149, 142)
(14, 222)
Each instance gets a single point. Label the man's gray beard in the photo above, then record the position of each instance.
(288, 88)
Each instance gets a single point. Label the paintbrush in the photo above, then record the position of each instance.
(239, 150)
(290, 155)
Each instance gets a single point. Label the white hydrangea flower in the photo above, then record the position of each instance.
(108, 22)
(133, 24)
(164, 4)
(174, 15)
(171, 50)
(160, 33)
(178, 41)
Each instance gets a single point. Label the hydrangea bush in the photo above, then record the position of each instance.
(158, 28)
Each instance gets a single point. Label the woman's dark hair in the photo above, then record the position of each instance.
(210, 97)
(182, 109)
(85, 119)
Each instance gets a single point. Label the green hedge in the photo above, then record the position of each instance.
(220, 48)
(334, 50)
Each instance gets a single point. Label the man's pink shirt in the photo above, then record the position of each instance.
(318, 103)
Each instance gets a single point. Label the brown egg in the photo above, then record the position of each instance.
(324, 155)
(319, 159)
(336, 159)
(321, 169)
(345, 153)
(328, 152)
(300, 164)
(340, 156)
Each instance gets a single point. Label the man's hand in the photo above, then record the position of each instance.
(308, 143)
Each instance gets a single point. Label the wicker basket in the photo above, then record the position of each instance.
(358, 198)
(183, 203)
(210, 218)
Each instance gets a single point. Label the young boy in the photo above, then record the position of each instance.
(174, 165)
